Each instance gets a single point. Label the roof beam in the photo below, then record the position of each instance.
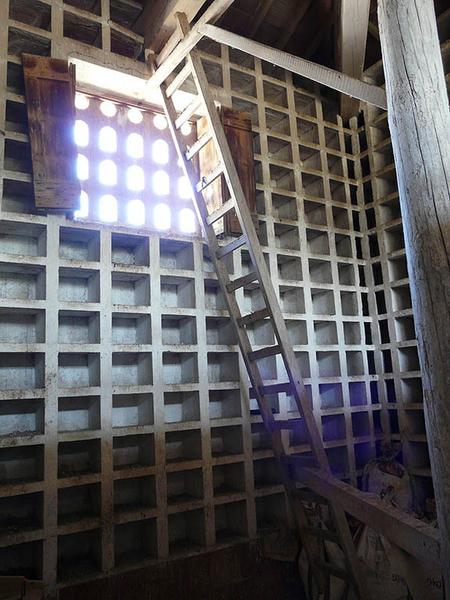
(339, 81)
(353, 24)
(214, 12)
(157, 21)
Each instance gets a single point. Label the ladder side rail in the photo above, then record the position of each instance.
(252, 241)
(243, 212)
(298, 509)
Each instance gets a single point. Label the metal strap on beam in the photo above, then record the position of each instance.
(338, 81)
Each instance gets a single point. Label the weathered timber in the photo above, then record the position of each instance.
(419, 121)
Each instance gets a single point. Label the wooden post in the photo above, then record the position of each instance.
(419, 121)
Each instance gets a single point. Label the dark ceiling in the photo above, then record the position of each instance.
(306, 28)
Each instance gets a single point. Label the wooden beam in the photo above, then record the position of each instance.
(414, 536)
(158, 20)
(214, 12)
(419, 121)
(323, 75)
(172, 54)
(353, 23)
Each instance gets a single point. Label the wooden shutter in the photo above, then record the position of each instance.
(238, 131)
(50, 93)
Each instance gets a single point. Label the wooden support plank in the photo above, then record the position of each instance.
(242, 281)
(275, 388)
(178, 80)
(208, 179)
(419, 122)
(258, 315)
(353, 22)
(223, 251)
(265, 352)
(219, 213)
(198, 145)
(158, 22)
(323, 75)
(188, 112)
(414, 536)
(214, 12)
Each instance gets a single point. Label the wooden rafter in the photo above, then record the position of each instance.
(323, 75)
(158, 20)
(353, 22)
(214, 12)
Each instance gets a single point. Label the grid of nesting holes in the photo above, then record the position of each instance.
(128, 167)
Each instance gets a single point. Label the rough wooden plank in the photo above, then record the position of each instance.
(353, 21)
(158, 20)
(323, 75)
(419, 122)
(49, 86)
(214, 12)
(414, 536)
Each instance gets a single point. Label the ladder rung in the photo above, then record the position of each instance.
(241, 281)
(220, 212)
(188, 112)
(258, 315)
(178, 80)
(231, 247)
(208, 179)
(198, 145)
(322, 534)
(286, 424)
(264, 352)
(276, 388)
(333, 570)
(301, 461)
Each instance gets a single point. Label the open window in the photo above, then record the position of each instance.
(113, 161)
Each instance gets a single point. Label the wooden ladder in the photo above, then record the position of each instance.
(313, 538)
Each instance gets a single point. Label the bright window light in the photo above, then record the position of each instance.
(81, 101)
(135, 145)
(81, 133)
(186, 220)
(135, 178)
(108, 108)
(83, 211)
(82, 167)
(160, 152)
(184, 188)
(135, 116)
(186, 128)
(161, 185)
(107, 208)
(136, 212)
(160, 122)
(107, 139)
(107, 172)
(161, 216)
